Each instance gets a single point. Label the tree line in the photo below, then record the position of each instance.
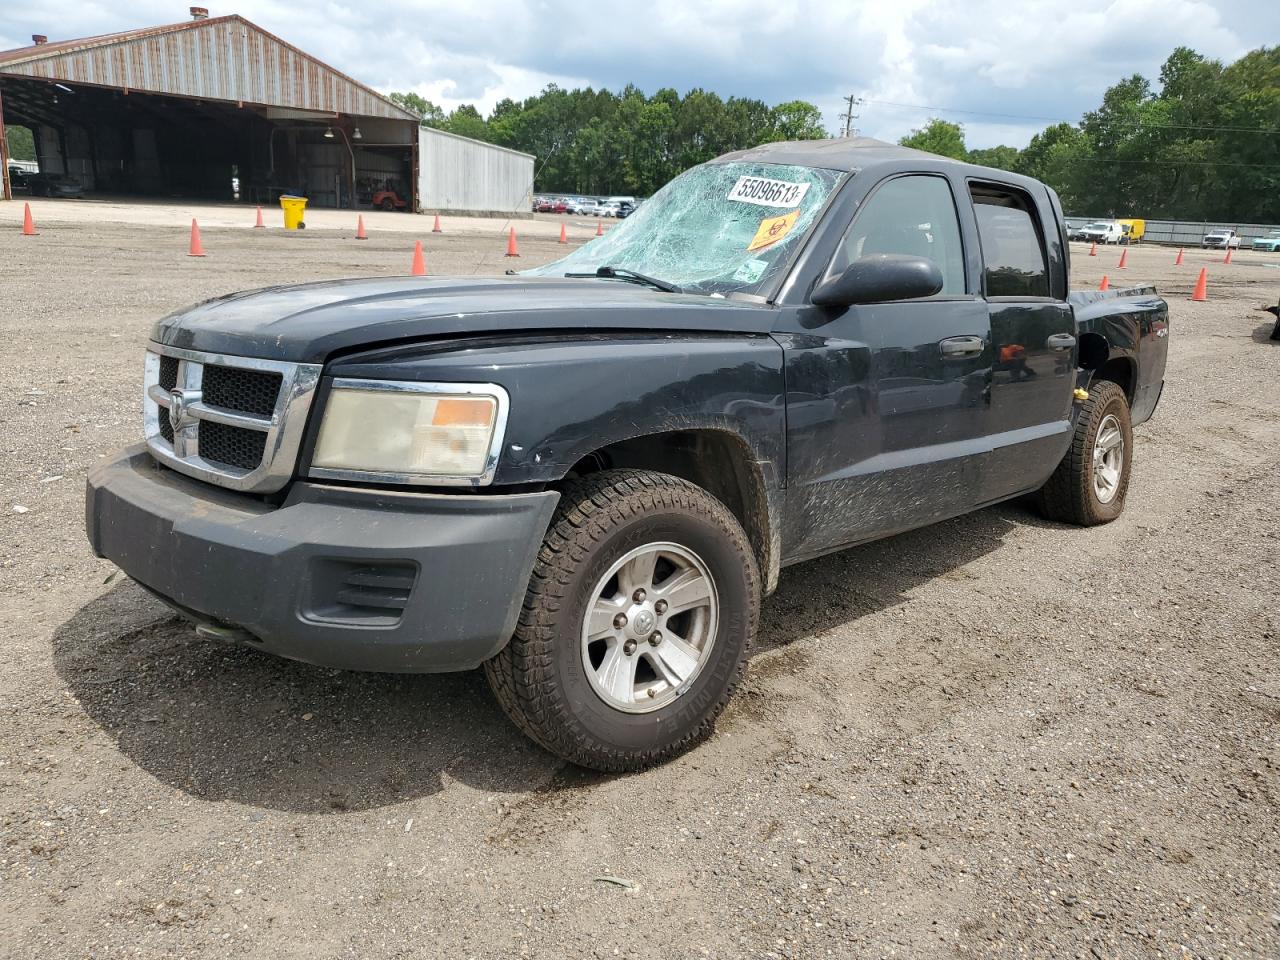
(600, 142)
(1201, 144)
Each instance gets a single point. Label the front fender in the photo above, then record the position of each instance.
(573, 394)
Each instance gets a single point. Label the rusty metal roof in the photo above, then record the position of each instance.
(221, 58)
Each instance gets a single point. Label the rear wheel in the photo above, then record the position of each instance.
(1090, 484)
(643, 602)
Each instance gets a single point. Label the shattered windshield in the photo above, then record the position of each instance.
(718, 228)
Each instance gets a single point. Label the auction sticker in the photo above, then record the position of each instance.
(768, 193)
(773, 229)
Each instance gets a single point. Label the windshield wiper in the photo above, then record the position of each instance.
(622, 273)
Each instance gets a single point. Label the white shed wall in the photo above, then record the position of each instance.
(456, 173)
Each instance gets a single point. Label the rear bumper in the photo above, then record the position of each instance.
(359, 579)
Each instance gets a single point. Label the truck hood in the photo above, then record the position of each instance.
(309, 323)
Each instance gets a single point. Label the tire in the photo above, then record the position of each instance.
(547, 678)
(1078, 491)
(388, 204)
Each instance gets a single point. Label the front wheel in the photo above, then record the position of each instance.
(1090, 484)
(642, 604)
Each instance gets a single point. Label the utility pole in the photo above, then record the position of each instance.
(849, 116)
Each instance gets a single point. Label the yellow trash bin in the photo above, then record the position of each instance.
(293, 208)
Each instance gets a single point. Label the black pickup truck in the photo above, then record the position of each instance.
(586, 476)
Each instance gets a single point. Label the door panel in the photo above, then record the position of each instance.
(1035, 350)
(1033, 339)
(885, 431)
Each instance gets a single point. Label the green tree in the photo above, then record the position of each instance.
(797, 120)
(1001, 157)
(938, 136)
(432, 116)
(22, 145)
(466, 121)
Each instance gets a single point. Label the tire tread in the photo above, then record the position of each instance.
(522, 674)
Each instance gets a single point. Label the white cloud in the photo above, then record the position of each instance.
(1036, 57)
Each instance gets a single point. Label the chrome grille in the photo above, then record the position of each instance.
(233, 421)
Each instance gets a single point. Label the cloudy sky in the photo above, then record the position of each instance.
(1015, 65)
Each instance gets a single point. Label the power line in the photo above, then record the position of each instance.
(1025, 116)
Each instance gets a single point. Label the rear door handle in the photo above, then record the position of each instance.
(1060, 341)
(957, 347)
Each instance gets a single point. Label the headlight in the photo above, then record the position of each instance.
(402, 432)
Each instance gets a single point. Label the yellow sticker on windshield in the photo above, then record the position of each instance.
(773, 229)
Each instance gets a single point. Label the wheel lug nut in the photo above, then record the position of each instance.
(620, 621)
(638, 596)
(661, 606)
(655, 638)
(629, 647)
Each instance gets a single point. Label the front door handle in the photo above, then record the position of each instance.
(1061, 341)
(960, 347)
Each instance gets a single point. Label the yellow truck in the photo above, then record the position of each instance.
(1133, 230)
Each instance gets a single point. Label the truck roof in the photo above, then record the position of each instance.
(848, 154)
(856, 154)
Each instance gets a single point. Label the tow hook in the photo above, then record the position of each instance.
(220, 631)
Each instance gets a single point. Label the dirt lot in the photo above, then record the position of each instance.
(997, 737)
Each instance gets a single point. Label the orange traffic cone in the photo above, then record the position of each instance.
(1124, 258)
(1104, 285)
(564, 237)
(360, 234)
(1093, 249)
(599, 228)
(1177, 261)
(1227, 258)
(1202, 286)
(419, 264)
(28, 225)
(196, 250)
(435, 227)
(259, 225)
(512, 249)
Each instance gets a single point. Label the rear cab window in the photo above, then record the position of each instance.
(1012, 240)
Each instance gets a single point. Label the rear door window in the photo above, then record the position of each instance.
(1013, 257)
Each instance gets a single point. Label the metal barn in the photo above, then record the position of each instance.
(220, 109)
(458, 174)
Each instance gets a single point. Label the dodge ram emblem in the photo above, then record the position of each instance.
(178, 417)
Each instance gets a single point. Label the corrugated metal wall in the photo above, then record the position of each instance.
(455, 173)
(224, 59)
(1189, 233)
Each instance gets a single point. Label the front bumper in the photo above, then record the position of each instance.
(355, 578)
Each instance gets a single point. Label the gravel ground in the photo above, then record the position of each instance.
(995, 737)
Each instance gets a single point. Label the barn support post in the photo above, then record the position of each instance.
(7, 190)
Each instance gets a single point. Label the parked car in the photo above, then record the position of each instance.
(53, 185)
(581, 206)
(806, 347)
(625, 209)
(608, 208)
(1221, 239)
(1269, 244)
(1075, 229)
(550, 205)
(1102, 231)
(19, 179)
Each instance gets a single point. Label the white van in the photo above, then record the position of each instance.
(1102, 231)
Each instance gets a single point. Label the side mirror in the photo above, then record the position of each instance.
(880, 278)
